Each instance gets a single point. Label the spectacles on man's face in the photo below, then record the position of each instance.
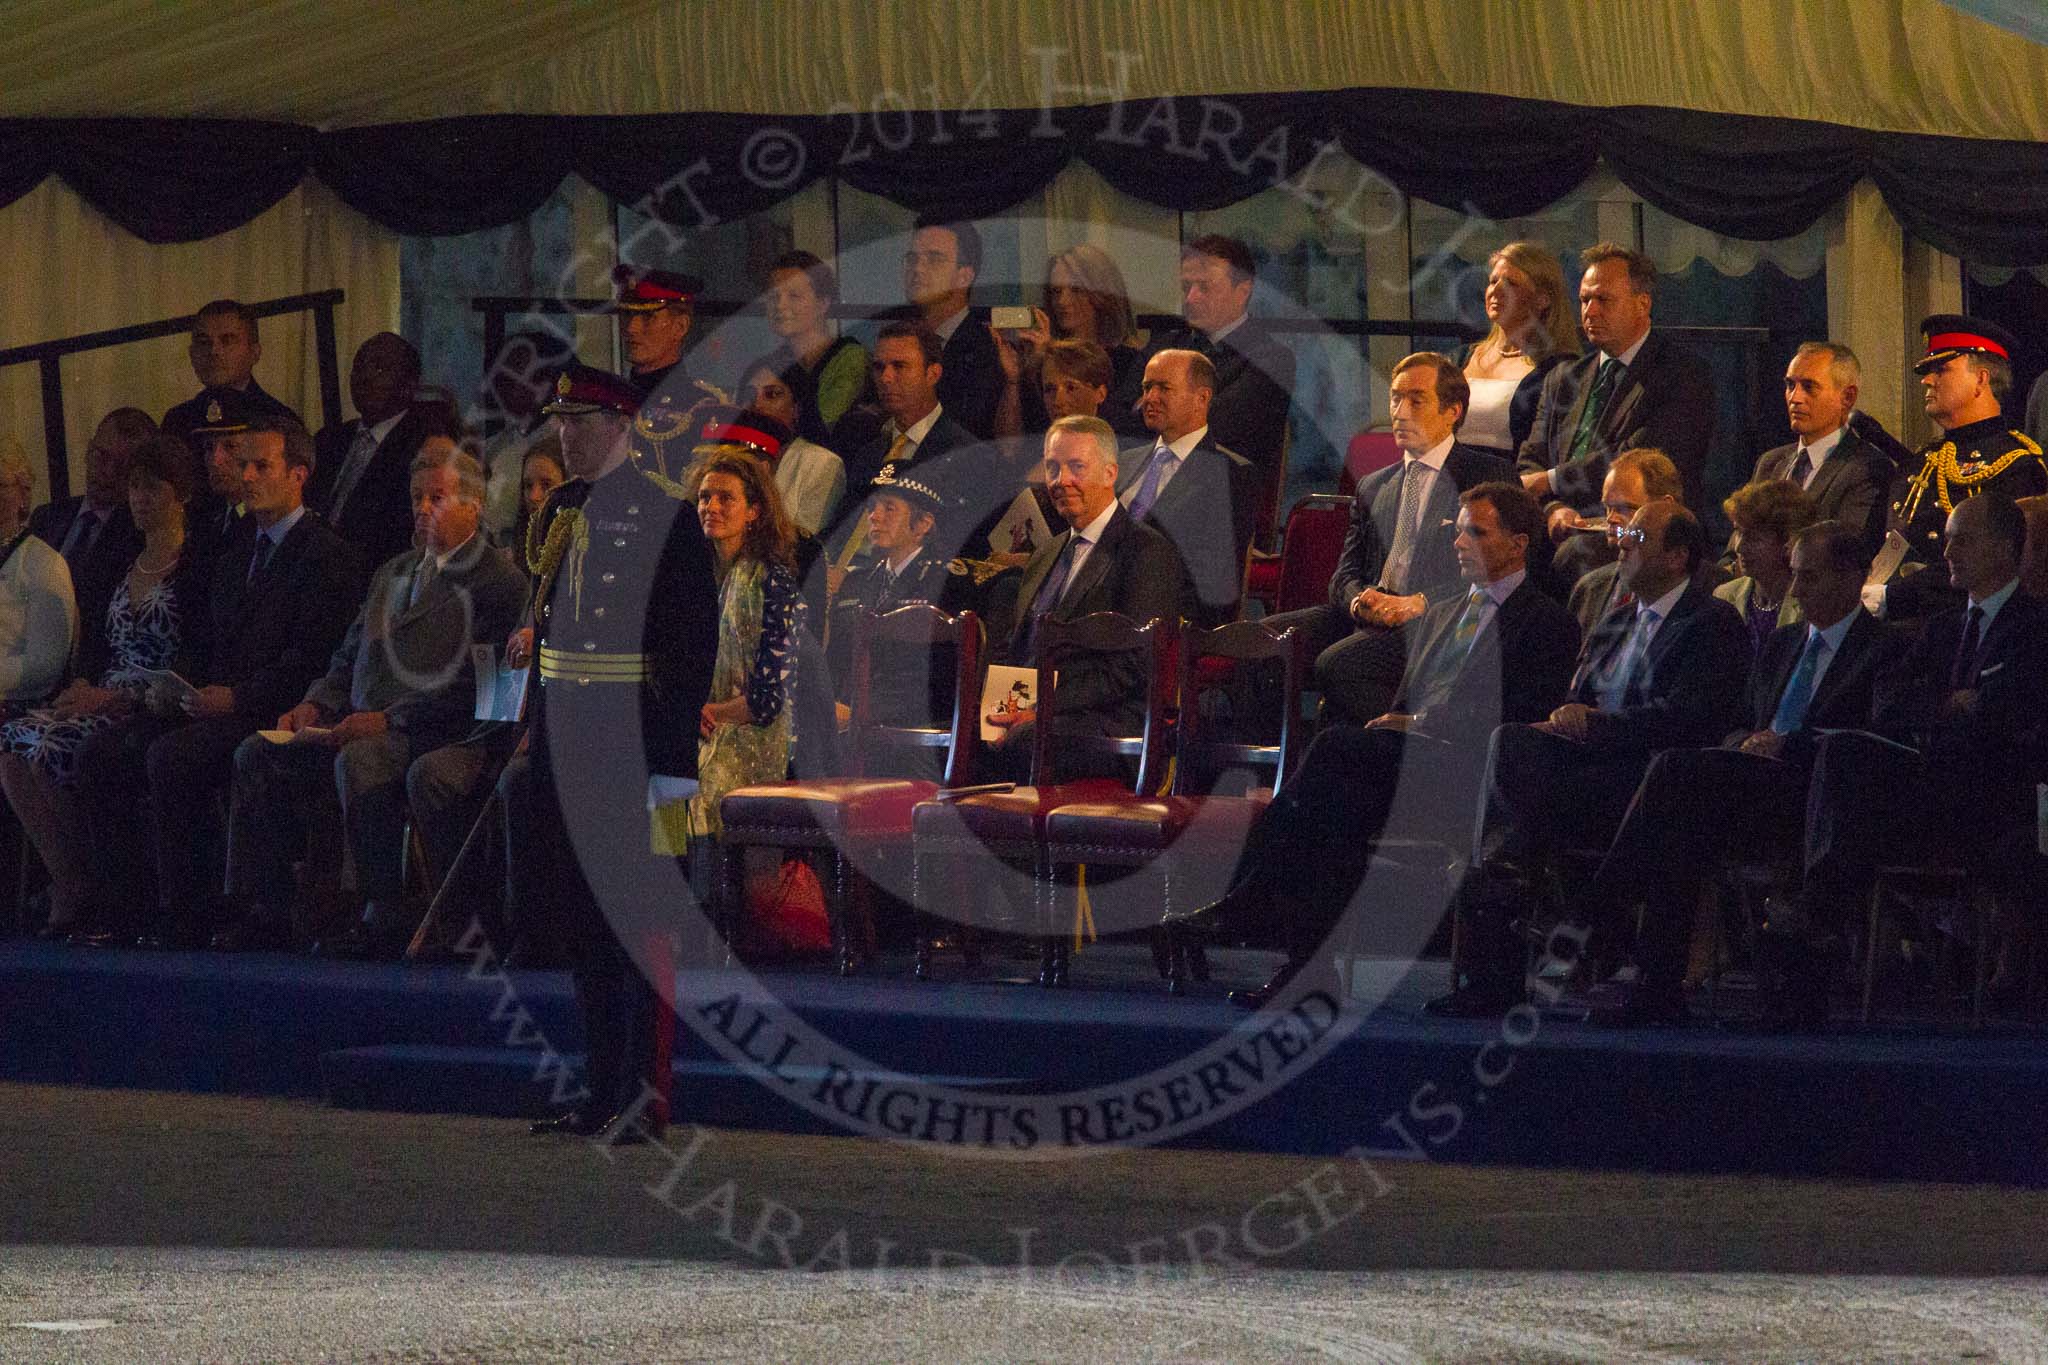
(1631, 535)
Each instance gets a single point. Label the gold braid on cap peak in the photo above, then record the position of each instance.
(1942, 469)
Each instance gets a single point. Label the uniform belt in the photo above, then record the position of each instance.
(590, 666)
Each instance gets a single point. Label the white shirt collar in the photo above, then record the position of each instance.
(282, 527)
(1628, 357)
(1185, 446)
(1092, 532)
(1993, 603)
(1435, 456)
(1501, 589)
(1835, 633)
(1227, 328)
(895, 568)
(1819, 451)
(922, 427)
(951, 325)
(441, 561)
(383, 428)
(1663, 605)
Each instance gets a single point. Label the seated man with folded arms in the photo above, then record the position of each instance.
(1958, 745)
(1664, 670)
(1746, 798)
(1501, 652)
(400, 685)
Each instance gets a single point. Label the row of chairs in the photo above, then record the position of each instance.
(1176, 825)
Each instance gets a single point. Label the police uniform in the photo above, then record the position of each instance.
(1957, 465)
(211, 521)
(625, 635)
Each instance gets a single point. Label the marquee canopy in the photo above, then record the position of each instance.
(1750, 118)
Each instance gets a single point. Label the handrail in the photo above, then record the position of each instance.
(47, 354)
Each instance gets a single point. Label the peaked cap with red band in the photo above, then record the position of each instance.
(643, 291)
(1951, 334)
(757, 431)
(583, 388)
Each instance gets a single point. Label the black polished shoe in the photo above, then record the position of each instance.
(254, 934)
(1467, 1002)
(575, 1123)
(1215, 918)
(1634, 1005)
(631, 1128)
(1256, 998)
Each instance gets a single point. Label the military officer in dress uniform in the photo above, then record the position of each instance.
(656, 309)
(1966, 375)
(625, 633)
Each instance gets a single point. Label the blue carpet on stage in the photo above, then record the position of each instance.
(1542, 1091)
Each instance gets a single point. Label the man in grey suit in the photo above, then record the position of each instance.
(1105, 561)
(1398, 559)
(400, 684)
(1847, 477)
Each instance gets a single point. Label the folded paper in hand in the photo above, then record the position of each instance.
(500, 688)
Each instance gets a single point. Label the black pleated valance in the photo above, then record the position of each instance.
(1740, 176)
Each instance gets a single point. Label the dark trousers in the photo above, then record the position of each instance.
(581, 869)
(1308, 852)
(279, 789)
(190, 769)
(446, 790)
(1357, 668)
(1694, 808)
(112, 784)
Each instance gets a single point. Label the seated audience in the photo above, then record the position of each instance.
(1503, 652)
(1848, 478)
(519, 380)
(1106, 560)
(1765, 516)
(1085, 300)
(224, 352)
(1634, 387)
(1665, 670)
(1746, 798)
(1398, 558)
(1531, 331)
(1634, 479)
(939, 271)
(810, 478)
(400, 685)
(1197, 494)
(94, 530)
(38, 610)
(1958, 733)
(827, 375)
(361, 480)
(155, 618)
(276, 614)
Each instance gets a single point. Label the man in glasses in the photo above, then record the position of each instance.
(1636, 479)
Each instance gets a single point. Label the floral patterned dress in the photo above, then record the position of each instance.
(760, 611)
(141, 633)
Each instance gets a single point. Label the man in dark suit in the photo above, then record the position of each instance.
(1105, 561)
(400, 685)
(94, 530)
(224, 352)
(1665, 670)
(908, 380)
(1197, 494)
(1635, 387)
(277, 614)
(1958, 738)
(1502, 652)
(939, 270)
(625, 635)
(1848, 478)
(362, 477)
(1254, 370)
(1635, 479)
(1398, 557)
(1749, 795)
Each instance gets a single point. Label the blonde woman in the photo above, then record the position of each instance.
(1086, 299)
(1532, 328)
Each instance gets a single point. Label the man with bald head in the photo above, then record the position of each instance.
(363, 468)
(1199, 495)
(1664, 669)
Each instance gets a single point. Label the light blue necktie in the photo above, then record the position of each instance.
(1148, 487)
(1799, 692)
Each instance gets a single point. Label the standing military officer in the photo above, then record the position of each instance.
(1965, 375)
(625, 633)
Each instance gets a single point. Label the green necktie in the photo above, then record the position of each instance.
(1596, 404)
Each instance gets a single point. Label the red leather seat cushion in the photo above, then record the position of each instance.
(1016, 816)
(1107, 828)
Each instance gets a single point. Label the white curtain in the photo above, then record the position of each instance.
(78, 272)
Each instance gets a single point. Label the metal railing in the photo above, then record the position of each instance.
(48, 355)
